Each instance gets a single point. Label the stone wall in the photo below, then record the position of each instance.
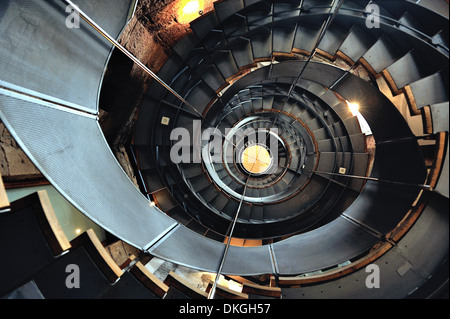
(15, 164)
(149, 36)
(154, 29)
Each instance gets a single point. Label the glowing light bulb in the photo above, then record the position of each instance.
(189, 10)
(78, 231)
(354, 108)
(191, 7)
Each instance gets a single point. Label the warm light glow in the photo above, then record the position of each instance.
(256, 159)
(189, 11)
(235, 286)
(354, 108)
(230, 284)
(191, 7)
(152, 204)
(78, 231)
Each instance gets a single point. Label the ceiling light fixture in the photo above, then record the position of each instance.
(191, 7)
(190, 10)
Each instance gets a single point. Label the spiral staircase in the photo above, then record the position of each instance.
(324, 208)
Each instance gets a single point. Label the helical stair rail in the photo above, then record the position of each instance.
(49, 95)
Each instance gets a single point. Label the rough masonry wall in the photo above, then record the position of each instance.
(15, 165)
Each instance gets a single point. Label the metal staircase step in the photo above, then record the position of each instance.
(439, 115)
(259, 18)
(356, 44)
(283, 39)
(437, 6)
(306, 36)
(330, 98)
(219, 202)
(224, 9)
(242, 52)
(352, 125)
(191, 170)
(201, 27)
(342, 110)
(199, 182)
(257, 212)
(358, 142)
(333, 39)
(230, 208)
(225, 63)
(405, 70)
(208, 194)
(153, 181)
(262, 45)
(186, 45)
(212, 77)
(200, 97)
(245, 211)
(285, 10)
(432, 89)
(382, 54)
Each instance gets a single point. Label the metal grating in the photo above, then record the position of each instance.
(69, 149)
(39, 55)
